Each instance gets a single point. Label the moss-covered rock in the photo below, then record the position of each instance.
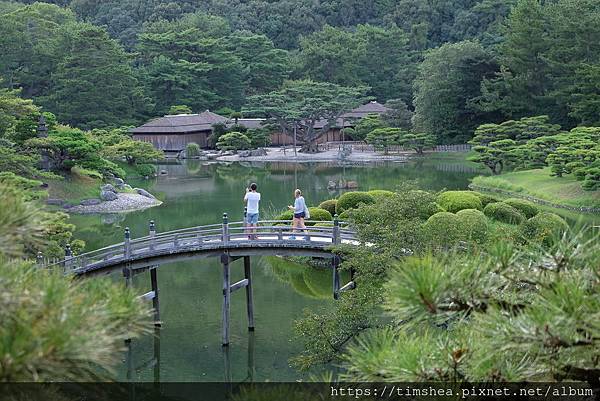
(473, 225)
(527, 208)
(454, 201)
(329, 205)
(351, 200)
(504, 213)
(543, 228)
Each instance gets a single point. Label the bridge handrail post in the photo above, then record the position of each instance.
(225, 235)
(336, 230)
(127, 243)
(152, 234)
(39, 259)
(68, 257)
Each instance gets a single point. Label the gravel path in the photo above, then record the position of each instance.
(124, 203)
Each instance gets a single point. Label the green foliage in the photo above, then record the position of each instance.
(29, 189)
(448, 81)
(384, 138)
(498, 146)
(259, 137)
(133, 152)
(485, 198)
(442, 230)
(379, 194)
(329, 205)
(503, 212)
(364, 126)
(286, 215)
(233, 141)
(19, 163)
(63, 335)
(301, 104)
(503, 314)
(544, 228)
(527, 208)
(15, 114)
(318, 214)
(453, 201)
(473, 225)
(417, 141)
(145, 170)
(398, 115)
(352, 200)
(192, 150)
(179, 109)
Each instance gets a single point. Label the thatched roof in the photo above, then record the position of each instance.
(181, 123)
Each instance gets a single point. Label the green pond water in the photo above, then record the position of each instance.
(188, 347)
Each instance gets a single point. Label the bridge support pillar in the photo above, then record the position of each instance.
(335, 262)
(226, 298)
(155, 301)
(249, 299)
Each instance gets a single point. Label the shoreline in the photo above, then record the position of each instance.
(581, 209)
(125, 202)
(277, 155)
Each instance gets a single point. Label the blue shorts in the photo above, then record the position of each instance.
(299, 215)
(252, 218)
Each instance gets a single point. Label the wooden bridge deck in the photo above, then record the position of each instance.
(272, 237)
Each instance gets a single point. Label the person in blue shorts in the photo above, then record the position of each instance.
(300, 211)
(251, 199)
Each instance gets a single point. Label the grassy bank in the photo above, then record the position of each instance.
(74, 188)
(563, 191)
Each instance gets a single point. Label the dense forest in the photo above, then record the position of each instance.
(455, 64)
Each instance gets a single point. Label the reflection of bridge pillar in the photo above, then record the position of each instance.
(251, 368)
(226, 301)
(249, 300)
(155, 303)
(156, 355)
(335, 262)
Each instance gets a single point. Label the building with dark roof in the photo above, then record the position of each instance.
(174, 132)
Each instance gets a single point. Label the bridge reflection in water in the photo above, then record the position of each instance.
(228, 241)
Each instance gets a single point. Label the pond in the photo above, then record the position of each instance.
(194, 193)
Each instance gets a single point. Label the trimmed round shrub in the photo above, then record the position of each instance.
(145, 170)
(473, 225)
(543, 228)
(379, 194)
(485, 198)
(286, 215)
(345, 215)
(351, 200)
(453, 201)
(329, 205)
(318, 214)
(192, 149)
(442, 230)
(527, 208)
(503, 212)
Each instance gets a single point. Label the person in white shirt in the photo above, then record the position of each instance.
(300, 211)
(251, 200)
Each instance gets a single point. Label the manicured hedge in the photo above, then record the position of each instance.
(379, 194)
(329, 205)
(527, 208)
(543, 228)
(316, 214)
(454, 201)
(486, 199)
(351, 200)
(473, 225)
(503, 212)
(442, 230)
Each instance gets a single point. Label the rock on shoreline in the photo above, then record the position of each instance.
(125, 202)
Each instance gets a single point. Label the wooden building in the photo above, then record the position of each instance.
(172, 133)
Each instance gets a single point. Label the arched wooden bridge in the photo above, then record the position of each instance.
(228, 241)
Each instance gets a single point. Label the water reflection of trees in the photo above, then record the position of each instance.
(309, 281)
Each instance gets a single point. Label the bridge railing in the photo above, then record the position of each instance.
(274, 232)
